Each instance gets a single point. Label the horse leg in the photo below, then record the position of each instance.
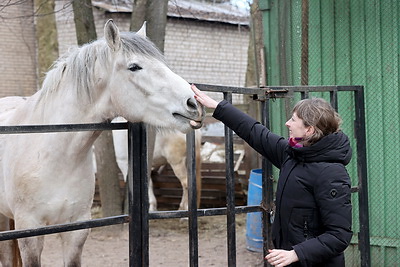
(151, 140)
(72, 243)
(180, 171)
(6, 247)
(152, 197)
(31, 249)
(198, 175)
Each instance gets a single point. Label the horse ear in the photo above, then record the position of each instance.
(142, 30)
(111, 34)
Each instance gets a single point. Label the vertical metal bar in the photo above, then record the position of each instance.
(267, 189)
(304, 42)
(304, 94)
(334, 100)
(138, 195)
(364, 242)
(192, 188)
(230, 191)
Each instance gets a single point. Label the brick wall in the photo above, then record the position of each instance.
(17, 50)
(206, 52)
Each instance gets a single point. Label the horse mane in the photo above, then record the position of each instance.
(77, 66)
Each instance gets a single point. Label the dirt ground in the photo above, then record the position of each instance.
(168, 245)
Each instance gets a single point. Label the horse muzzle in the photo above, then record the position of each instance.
(198, 122)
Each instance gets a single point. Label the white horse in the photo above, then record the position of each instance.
(169, 147)
(48, 178)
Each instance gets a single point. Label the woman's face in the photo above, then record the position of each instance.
(297, 129)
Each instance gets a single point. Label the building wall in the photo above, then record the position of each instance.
(211, 53)
(199, 51)
(17, 50)
(204, 52)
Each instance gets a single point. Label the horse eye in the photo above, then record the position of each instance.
(134, 67)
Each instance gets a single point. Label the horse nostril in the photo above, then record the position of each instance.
(191, 102)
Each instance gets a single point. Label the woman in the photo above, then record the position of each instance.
(312, 225)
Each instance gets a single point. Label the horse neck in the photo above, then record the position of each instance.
(69, 106)
(77, 86)
(61, 108)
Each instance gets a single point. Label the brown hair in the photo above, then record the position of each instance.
(317, 112)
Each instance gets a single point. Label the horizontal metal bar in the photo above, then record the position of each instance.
(201, 212)
(63, 128)
(248, 90)
(278, 89)
(327, 88)
(354, 189)
(58, 228)
(226, 89)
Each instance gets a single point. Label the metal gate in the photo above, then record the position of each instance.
(139, 216)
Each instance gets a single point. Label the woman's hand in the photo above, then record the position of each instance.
(204, 99)
(280, 257)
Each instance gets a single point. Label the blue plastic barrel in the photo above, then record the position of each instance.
(254, 238)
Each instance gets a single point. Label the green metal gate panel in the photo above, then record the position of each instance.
(350, 42)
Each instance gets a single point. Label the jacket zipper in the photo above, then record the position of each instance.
(305, 229)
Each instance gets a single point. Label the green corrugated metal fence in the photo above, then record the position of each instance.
(350, 42)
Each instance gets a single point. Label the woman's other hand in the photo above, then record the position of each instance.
(280, 257)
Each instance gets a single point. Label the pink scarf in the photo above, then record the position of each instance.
(294, 142)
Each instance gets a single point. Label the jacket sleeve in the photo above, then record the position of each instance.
(333, 197)
(258, 136)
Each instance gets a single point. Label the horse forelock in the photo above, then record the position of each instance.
(77, 66)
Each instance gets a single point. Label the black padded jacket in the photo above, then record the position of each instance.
(313, 203)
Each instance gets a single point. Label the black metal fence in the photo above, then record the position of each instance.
(139, 216)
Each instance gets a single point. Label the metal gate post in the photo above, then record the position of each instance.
(192, 188)
(267, 189)
(138, 195)
(364, 242)
(230, 192)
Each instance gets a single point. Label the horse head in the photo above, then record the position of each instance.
(140, 75)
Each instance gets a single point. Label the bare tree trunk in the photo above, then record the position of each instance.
(154, 12)
(107, 168)
(254, 75)
(107, 175)
(138, 14)
(156, 16)
(84, 21)
(46, 36)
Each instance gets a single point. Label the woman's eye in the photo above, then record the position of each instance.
(134, 67)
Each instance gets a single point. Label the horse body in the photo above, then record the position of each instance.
(48, 178)
(169, 148)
